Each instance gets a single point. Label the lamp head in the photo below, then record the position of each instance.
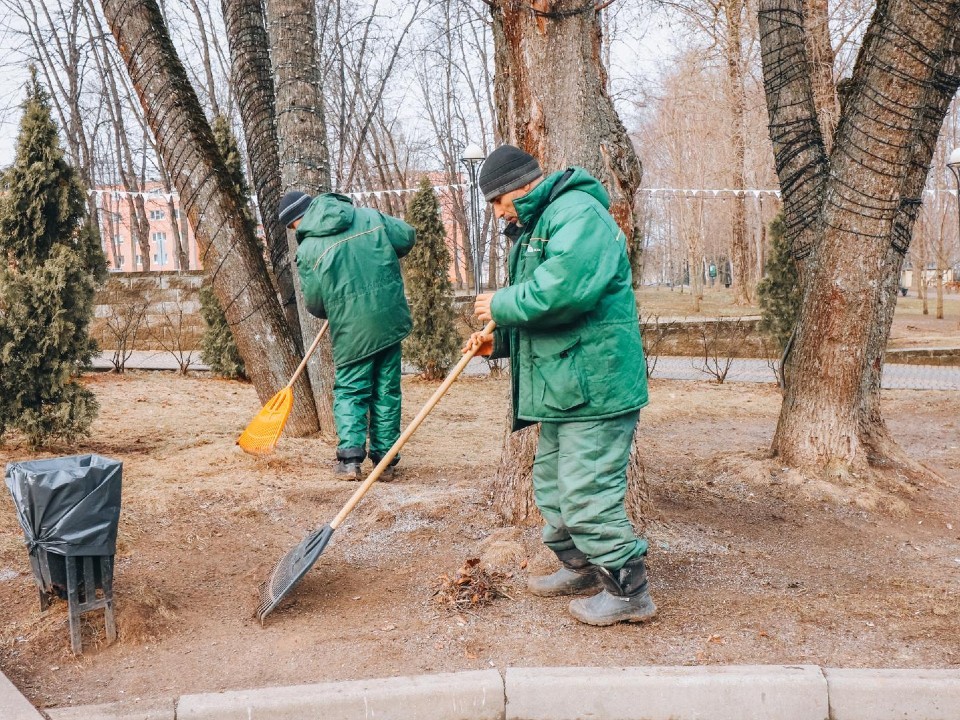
(472, 153)
(954, 160)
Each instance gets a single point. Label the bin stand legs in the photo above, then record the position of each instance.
(82, 598)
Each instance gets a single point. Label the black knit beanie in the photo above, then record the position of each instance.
(507, 168)
(292, 206)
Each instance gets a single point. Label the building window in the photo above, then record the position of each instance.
(139, 260)
(119, 260)
(157, 215)
(160, 257)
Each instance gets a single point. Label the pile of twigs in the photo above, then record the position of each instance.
(470, 587)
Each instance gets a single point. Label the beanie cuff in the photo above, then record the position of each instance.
(513, 183)
(295, 211)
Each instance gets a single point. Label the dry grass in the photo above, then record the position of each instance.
(470, 587)
(143, 613)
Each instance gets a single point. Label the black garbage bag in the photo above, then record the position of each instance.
(67, 507)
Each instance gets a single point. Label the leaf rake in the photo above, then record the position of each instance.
(295, 564)
(260, 436)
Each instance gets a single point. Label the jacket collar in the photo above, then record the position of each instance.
(530, 206)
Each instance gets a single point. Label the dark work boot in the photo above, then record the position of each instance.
(349, 462)
(348, 470)
(575, 577)
(389, 472)
(624, 597)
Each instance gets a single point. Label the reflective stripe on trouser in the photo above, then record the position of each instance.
(579, 484)
(366, 395)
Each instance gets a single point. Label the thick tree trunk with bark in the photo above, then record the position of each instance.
(232, 254)
(551, 100)
(304, 158)
(857, 236)
(551, 97)
(820, 55)
(252, 77)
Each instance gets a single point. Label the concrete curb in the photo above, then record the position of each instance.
(134, 710)
(13, 705)
(893, 694)
(747, 692)
(474, 695)
(667, 693)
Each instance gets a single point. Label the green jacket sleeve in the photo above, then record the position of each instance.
(581, 258)
(501, 343)
(401, 235)
(312, 299)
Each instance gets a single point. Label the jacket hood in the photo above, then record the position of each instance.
(328, 214)
(556, 184)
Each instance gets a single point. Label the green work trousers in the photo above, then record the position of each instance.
(579, 484)
(366, 397)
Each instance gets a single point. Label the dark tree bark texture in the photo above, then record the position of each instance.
(304, 156)
(252, 78)
(851, 218)
(550, 90)
(232, 254)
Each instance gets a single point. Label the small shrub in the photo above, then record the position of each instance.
(433, 346)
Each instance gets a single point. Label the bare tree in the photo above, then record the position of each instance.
(304, 160)
(232, 254)
(850, 217)
(252, 78)
(547, 50)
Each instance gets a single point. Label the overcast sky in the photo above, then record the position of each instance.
(644, 49)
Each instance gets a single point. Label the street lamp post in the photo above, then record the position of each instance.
(473, 158)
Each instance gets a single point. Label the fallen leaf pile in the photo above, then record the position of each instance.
(470, 587)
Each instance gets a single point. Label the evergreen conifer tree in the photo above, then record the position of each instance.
(779, 291)
(433, 345)
(218, 348)
(51, 263)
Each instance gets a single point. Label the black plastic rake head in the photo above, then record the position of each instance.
(290, 569)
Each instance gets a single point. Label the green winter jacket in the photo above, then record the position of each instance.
(568, 319)
(349, 264)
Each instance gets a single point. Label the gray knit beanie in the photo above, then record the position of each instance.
(507, 168)
(293, 205)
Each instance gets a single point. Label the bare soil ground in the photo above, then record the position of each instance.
(748, 564)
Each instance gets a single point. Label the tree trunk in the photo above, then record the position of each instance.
(551, 100)
(816, 22)
(252, 78)
(232, 254)
(304, 158)
(830, 419)
(551, 97)
(739, 257)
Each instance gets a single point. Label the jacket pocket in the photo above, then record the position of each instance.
(558, 379)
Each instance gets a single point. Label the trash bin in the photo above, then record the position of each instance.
(69, 509)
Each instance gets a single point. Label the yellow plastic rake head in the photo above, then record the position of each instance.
(260, 437)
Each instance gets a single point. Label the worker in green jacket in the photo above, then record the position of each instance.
(568, 322)
(349, 264)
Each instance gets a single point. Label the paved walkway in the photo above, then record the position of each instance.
(905, 377)
(901, 377)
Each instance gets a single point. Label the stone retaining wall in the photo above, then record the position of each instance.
(149, 311)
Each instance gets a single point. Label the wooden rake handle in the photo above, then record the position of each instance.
(410, 430)
(306, 357)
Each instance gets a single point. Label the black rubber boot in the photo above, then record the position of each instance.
(624, 597)
(349, 462)
(388, 473)
(575, 577)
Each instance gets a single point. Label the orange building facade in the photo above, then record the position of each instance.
(165, 223)
(162, 209)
